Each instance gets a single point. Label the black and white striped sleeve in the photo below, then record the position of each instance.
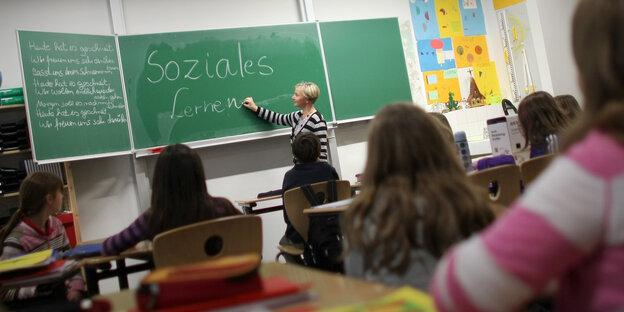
(277, 118)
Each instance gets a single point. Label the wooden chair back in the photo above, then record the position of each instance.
(506, 177)
(532, 168)
(210, 239)
(295, 202)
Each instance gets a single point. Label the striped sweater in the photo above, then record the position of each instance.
(315, 124)
(26, 237)
(568, 227)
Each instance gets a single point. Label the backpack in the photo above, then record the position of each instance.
(323, 250)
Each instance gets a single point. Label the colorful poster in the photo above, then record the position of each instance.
(424, 19)
(472, 18)
(487, 81)
(436, 54)
(499, 4)
(449, 19)
(438, 88)
(470, 50)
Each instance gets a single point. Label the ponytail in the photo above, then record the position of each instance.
(13, 222)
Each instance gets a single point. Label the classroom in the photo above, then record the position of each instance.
(112, 191)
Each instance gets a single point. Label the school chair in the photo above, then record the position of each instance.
(210, 239)
(502, 183)
(295, 201)
(532, 168)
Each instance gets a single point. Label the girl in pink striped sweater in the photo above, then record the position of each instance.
(569, 225)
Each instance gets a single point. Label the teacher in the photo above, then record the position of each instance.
(308, 119)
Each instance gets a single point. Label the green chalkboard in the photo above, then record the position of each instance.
(189, 86)
(73, 94)
(366, 66)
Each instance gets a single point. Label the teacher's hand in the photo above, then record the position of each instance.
(249, 103)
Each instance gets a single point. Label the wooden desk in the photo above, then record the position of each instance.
(330, 289)
(98, 268)
(248, 204)
(333, 207)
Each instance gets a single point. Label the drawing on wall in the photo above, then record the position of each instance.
(449, 19)
(424, 19)
(472, 19)
(436, 54)
(470, 50)
(441, 85)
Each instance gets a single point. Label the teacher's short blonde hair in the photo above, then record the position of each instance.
(309, 90)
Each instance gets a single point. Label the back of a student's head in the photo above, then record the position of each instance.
(597, 28)
(405, 141)
(568, 105)
(539, 116)
(306, 148)
(179, 194)
(412, 173)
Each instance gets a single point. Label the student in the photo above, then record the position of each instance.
(541, 121)
(445, 125)
(568, 104)
(306, 149)
(33, 228)
(179, 197)
(414, 203)
(308, 119)
(567, 227)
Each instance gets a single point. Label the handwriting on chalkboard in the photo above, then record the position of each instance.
(194, 69)
(74, 85)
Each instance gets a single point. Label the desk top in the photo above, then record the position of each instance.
(256, 200)
(331, 289)
(337, 206)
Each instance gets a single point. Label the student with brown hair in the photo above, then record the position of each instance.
(567, 227)
(308, 169)
(541, 121)
(415, 200)
(33, 228)
(569, 106)
(179, 197)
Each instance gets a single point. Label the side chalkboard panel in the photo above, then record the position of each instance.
(74, 95)
(366, 66)
(189, 86)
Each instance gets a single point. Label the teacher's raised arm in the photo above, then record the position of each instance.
(307, 119)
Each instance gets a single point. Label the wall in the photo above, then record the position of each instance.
(111, 192)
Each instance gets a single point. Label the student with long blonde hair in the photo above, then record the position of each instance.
(415, 200)
(567, 227)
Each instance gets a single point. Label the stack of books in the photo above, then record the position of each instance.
(11, 96)
(14, 136)
(10, 179)
(231, 282)
(35, 268)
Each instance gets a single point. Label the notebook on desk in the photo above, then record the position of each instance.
(83, 251)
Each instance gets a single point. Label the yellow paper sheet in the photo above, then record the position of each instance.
(499, 4)
(449, 18)
(26, 261)
(487, 80)
(439, 92)
(470, 50)
(403, 299)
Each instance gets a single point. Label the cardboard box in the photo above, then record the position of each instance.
(505, 135)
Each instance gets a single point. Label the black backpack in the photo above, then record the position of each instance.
(323, 250)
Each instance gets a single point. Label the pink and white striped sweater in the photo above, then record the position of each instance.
(568, 227)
